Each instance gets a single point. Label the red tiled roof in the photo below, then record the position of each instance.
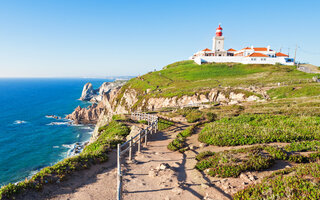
(257, 55)
(232, 50)
(206, 49)
(258, 48)
(279, 54)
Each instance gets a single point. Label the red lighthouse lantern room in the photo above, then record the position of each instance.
(219, 31)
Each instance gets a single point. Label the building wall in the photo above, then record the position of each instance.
(244, 60)
(218, 44)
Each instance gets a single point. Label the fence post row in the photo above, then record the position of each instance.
(153, 126)
(119, 177)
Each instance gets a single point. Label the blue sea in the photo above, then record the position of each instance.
(29, 140)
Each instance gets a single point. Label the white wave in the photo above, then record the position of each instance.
(55, 147)
(59, 123)
(19, 122)
(76, 124)
(53, 117)
(74, 149)
(86, 128)
(78, 135)
(67, 145)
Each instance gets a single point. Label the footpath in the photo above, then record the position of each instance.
(155, 173)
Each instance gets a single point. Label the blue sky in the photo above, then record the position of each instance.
(77, 38)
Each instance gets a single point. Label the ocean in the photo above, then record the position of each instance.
(29, 140)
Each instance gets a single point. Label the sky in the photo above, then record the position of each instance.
(99, 38)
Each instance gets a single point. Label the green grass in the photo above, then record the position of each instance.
(186, 77)
(260, 128)
(295, 91)
(96, 152)
(299, 182)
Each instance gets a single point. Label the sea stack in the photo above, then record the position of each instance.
(88, 92)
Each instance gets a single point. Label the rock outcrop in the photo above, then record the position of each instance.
(109, 102)
(223, 96)
(89, 115)
(88, 92)
(97, 113)
(96, 95)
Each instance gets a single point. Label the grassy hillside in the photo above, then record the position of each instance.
(186, 77)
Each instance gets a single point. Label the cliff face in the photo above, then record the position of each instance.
(114, 101)
(87, 115)
(96, 95)
(130, 99)
(88, 92)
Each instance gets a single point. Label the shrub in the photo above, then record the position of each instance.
(211, 117)
(297, 158)
(143, 121)
(276, 152)
(231, 163)
(163, 124)
(176, 144)
(303, 146)
(204, 154)
(194, 116)
(119, 118)
(179, 142)
(299, 182)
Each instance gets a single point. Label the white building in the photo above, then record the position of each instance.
(248, 55)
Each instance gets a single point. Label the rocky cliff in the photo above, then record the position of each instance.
(96, 95)
(100, 99)
(88, 92)
(120, 101)
(87, 115)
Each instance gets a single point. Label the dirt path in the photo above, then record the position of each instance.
(227, 186)
(156, 173)
(159, 173)
(98, 182)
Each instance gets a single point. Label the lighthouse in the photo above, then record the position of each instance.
(218, 43)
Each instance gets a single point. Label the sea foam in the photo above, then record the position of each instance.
(19, 122)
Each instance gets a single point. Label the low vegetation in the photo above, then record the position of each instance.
(192, 114)
(187, 78)
(178, 144)
(164, 124)
(299, 182)
(302, 90)
(96, 152)
(260, 128)
(231, 163)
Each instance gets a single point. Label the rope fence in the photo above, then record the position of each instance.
(128, 147)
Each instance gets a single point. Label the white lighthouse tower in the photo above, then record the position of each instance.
(218, 43)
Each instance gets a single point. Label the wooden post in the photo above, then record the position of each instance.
(130, 149)
(119, 178)
(139, 142)
(146, 137)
